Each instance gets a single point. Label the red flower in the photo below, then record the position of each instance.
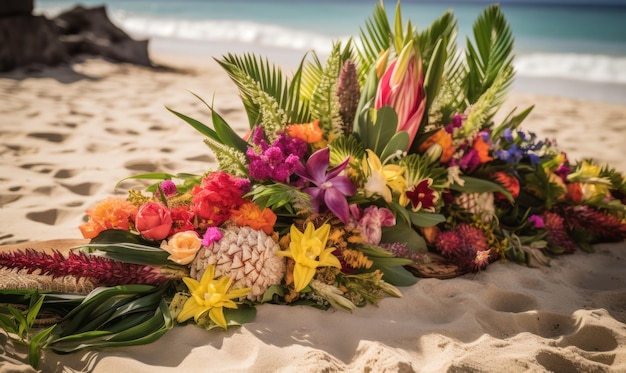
(181, 220)
(422, 196)
(153, 221)
(218, 194)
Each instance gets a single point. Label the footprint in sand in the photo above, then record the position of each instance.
(142, 166)
(48, 217)
(117, 131)
(49, 136)
(205, 158)
(83, 189)
(507, 301)
(65, 173)
(42, 168)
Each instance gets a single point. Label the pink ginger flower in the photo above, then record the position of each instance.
(402, 88)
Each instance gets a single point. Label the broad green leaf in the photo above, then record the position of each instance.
(398, 143)
(397, 275)
(381, 130)
(37, 344)
(475, 185)
(426, 219)
(404, 234)
(223, 130)
(199, 126)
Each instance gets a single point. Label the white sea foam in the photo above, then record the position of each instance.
(226, 31)
(587, 67)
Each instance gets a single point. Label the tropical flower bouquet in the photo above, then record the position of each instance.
(358, 175)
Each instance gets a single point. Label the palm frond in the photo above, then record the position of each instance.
(445, 69)
(261, 84)
(490, 56)
(324, 104)
(311, 76)
(375, 37)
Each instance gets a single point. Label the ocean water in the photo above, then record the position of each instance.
(575, 48)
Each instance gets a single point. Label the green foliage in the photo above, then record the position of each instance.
(346, 147)
(476, 185)
(278, 196)
(377, 128)
(490, 56)
(268, 98)
(324, 104)
(389, 265)
(125, 246)
(376, 36)
(230, 159)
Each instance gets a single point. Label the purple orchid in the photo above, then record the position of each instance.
(330, 188)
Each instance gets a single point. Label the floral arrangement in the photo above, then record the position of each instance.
(357, 175)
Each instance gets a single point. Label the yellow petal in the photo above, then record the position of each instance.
(295, 233)
(373, 160)
(217, 315)
(237, 293)
(207, 277)
(321, 233)
(192, 284)
(302, 275)
(188, 311)
(327, 259)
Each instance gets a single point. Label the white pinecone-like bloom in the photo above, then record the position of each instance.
(481, 204)
(245, 255)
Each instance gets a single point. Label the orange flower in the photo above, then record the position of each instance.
(444, 139)
(509, 182)
(575, 192)
(307, 132)
(482, 149)
(249, 214)
(110, 213)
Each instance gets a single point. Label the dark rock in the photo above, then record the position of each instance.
(26, 40)
(16, 7)
(90, 31)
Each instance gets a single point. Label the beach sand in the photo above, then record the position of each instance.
(69, 134)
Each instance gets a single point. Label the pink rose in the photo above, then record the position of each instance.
(372, 220)
(153, 221)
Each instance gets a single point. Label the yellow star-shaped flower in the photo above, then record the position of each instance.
(210, 295)
(308, 250)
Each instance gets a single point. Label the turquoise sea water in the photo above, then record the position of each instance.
(578, 41)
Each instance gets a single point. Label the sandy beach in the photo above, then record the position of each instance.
(69, 134)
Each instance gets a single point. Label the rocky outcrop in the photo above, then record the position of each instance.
(27, 39)
(89, 31)
(16, 7)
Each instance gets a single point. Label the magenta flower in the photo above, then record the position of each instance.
(276, 161)
(402, 88)
(211, 235)
(536, 221)
(330, 188)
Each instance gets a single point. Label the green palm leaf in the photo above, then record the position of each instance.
(376, 36)
(255, 76)
(490, 56)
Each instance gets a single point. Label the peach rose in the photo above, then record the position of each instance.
(182, 247)
(153, 221)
